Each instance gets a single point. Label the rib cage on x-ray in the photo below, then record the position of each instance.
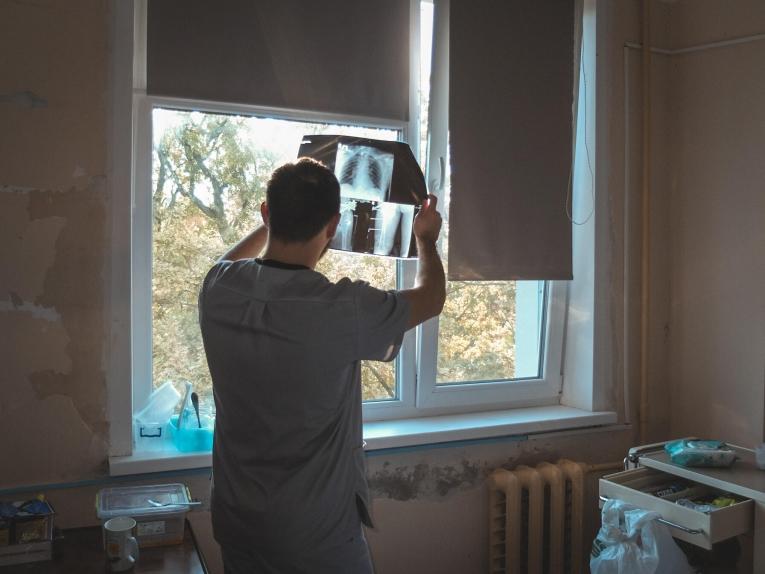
(356, 165)
(363, 172)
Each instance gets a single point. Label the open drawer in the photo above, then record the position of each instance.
(699, 528)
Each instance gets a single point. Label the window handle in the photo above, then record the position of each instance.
(437, 185)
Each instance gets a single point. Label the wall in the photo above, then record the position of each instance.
(52, 240)
(619, 183)
(717, 331)
(706, 370)
(431, 505)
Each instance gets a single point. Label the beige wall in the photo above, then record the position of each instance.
(706, 373)
(717, 249)
(53, 241)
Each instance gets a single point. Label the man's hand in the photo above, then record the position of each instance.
(427, 296)
(427, 223)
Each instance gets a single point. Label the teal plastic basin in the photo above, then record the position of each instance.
(192, 438)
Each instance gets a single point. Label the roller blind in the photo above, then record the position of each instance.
(511, 89)
(335, 56)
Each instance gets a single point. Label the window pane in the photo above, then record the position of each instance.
(489, 331)
(209, 178)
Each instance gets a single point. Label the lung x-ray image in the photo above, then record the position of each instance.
(363, 172)
(381, 189)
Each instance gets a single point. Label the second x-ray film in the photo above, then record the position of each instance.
(381, 189)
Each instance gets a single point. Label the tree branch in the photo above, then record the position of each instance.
(381, 380)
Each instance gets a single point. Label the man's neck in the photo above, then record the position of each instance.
(306, 254)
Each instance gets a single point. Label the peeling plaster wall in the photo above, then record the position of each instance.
(53, 423)
(430, 506)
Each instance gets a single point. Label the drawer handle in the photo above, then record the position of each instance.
(667, 522)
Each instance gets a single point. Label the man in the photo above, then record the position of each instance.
(283, 345)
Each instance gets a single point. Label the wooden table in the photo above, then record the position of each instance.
(81, 551)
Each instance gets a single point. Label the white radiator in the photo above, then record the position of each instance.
(536, 518)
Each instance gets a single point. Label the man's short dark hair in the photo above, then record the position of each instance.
(302, 198)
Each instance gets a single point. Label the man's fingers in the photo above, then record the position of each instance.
(430, 203)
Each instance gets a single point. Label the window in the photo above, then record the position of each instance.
(200, 170)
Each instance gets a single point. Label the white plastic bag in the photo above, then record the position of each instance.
(631, 541)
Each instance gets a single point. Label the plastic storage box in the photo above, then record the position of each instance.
(150, 425)
(150, 436)
(159, 511)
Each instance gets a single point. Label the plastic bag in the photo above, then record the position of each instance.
(631, 541)
(688, 452)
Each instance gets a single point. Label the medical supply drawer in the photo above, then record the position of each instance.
(654, 490)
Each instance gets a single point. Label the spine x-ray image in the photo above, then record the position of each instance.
(381, 188)
(372, 227)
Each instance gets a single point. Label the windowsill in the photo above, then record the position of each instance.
(380, 435)
(472, 426)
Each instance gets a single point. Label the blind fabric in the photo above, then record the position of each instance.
(511, 89)
(333, 56)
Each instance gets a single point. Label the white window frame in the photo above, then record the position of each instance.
(130, 371)
(498, 394)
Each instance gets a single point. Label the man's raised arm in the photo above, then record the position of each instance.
(427, 297)
(249, 247)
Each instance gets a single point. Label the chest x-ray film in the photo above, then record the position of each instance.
(381, 189)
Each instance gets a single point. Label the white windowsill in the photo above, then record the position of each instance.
(471, 426)
(403, 433)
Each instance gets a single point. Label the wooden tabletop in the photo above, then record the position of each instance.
(81, 551)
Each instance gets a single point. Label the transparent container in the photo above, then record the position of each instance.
(151, 424)
(149, 436)
(161, 404)
(159, 522)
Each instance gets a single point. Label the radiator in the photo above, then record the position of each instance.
(536, 518)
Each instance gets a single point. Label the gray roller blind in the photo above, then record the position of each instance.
(510, 129)
(336, 56)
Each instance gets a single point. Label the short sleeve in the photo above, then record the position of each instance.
(382, 317)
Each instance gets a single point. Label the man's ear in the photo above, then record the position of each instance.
(332, 226)
(264, 213)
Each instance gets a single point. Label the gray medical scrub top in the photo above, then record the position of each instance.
(283, 345)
